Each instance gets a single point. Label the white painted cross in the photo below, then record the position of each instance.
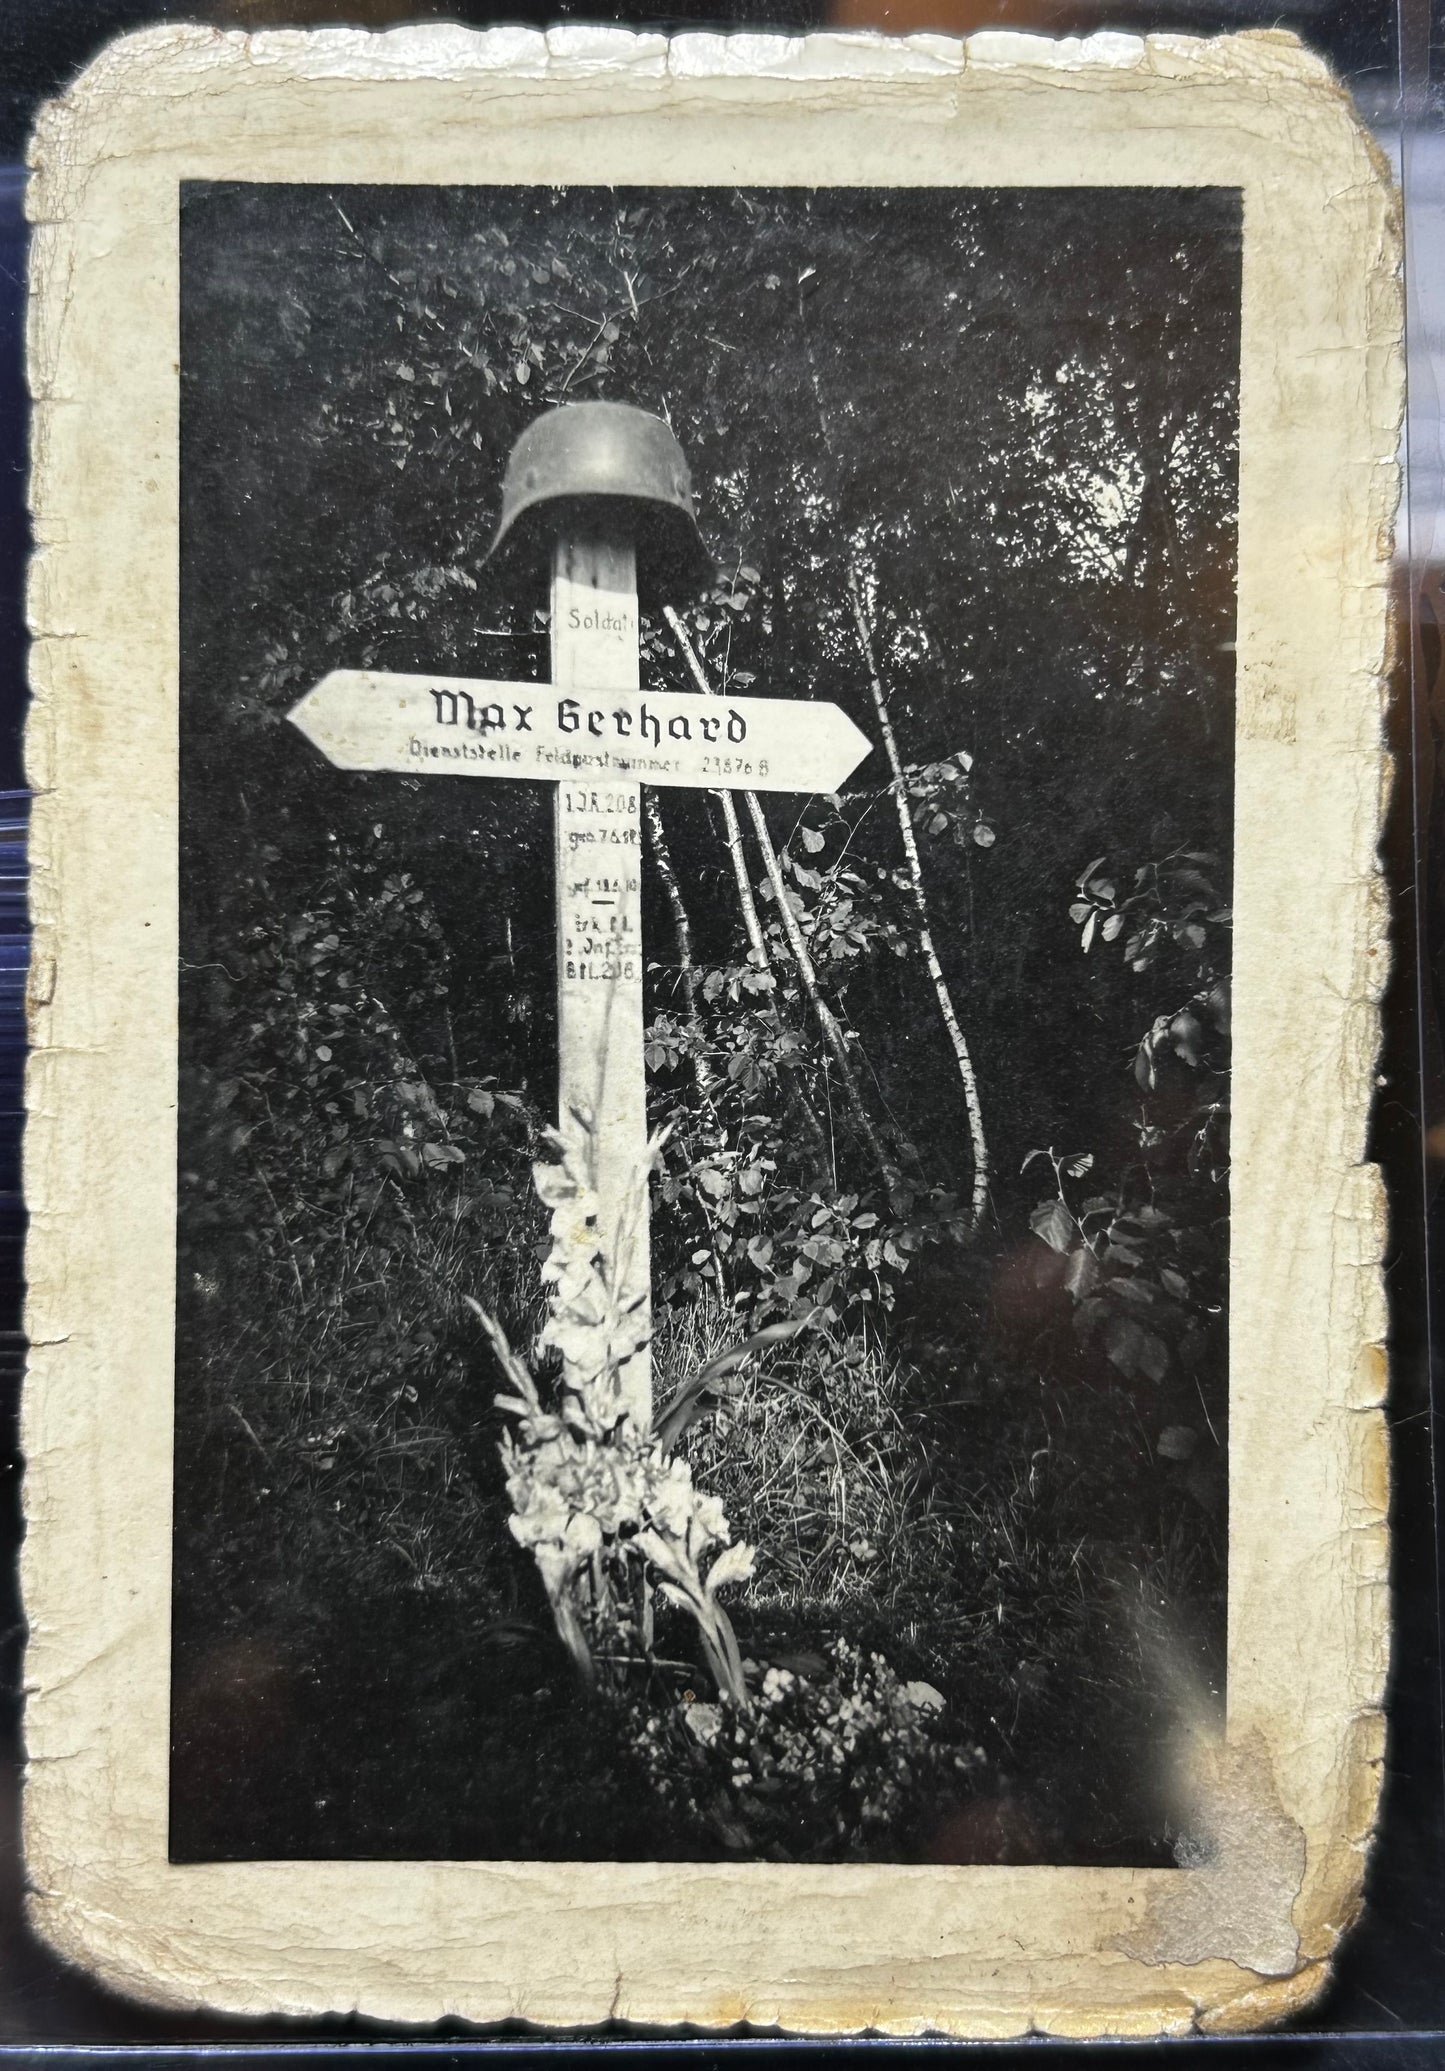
(593, 733)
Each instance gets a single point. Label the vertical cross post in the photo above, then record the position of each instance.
(599, 910)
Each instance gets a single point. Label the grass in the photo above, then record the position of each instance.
(344, 1565)
(814, 1464)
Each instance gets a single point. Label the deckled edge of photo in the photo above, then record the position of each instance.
(1186, 1963)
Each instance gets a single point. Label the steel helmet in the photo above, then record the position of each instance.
(578, 451)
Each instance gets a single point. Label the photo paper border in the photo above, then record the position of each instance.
(1284, 1802)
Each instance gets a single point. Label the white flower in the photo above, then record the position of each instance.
(670, 1501)
(703, 1722)
(709, 1521)
(583, 1535)
(541, 1520)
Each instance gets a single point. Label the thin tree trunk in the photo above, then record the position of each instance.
(682, 931)
(702, 1069)
(827, 1021)
(757, 941)
(920, 902)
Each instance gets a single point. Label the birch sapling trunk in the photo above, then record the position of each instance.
(827, 1021)
(682, 933)
(757, 941)
(969, 1082)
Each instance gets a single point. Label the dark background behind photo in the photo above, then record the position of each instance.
(1389, 1990)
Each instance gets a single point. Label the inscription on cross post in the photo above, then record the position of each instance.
(594, 734)
(598, 862)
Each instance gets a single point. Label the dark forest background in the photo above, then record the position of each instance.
(1009, 417)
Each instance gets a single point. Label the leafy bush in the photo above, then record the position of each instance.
(1145, 1261)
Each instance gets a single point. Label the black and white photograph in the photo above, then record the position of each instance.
(706, 822)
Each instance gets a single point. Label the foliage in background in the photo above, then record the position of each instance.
(1146, 1259)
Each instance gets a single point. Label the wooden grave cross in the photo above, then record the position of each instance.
(593, 734)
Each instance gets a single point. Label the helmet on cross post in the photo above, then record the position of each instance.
(577, 453)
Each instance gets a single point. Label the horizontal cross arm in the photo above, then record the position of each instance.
(434, 725)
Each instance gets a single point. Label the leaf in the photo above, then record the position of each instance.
(1186, 1033)
(1138, 1293)
(812, 841)
(697, 1395)
(1052, 1221)
(1176, 1442)
(1077, 1167)
(1088, 934)
(984, 835)
(1138, 1353)
(1090, 1315)
(1083, 1274)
